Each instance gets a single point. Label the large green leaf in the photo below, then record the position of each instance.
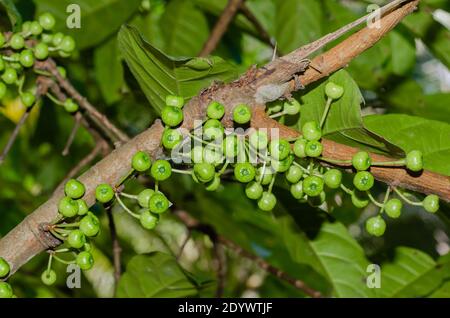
(99, 19)
(403, 56)
(13, 15)
(298, 22)
(412, 273)
(156, 275)
(160, 75)
(410, 133)
(101, 275)
(182, 36)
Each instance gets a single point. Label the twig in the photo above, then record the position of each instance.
(183, 244)
(117, 250)
(14, 135)
(73, 133)
(194, 224)
(221, 26)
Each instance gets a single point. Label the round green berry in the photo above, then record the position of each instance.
(317, 200)
(62, 71)
(17, 41)
(35, 28)
(393, 208)
(82, 207)
(213, 155)
(47, 38)
(204, 171)
(68, 207)
(214, 184)
(3, 90)
(74, 189)
(258, 140)
(294, 174)
(85, 260)
(297, 190)
(333, 90)
(242, 114)
(279, 149)
(376, 226)
(311, 131)
(300, 148)
(47, 21)
(9, 76)
(57, 38)
(358, 201)
(48, 277)
(282, 165)
(333, 178)
(76, 239)
(431, 203)
(175, 101)
(172, 116)
(313, 186)
(361, 161)
(144, 197)
(267, 201)
(90, 225)
(104, 193)
(161, 170)
(149, 220)
(230, 146)
(6, 290)
(291, 107)
(313, 148)
(267, 177)
(67, 44)
(363, 181)
(215, 110)
(158, 203)
(414, 160)
(254, 190)
(213, 129)
(26, 58)
(244, 172)
(41, 51)
(141, 161)
(70, 106)
(197, 154)
(4, 268)
(27, 99)
(171, 138)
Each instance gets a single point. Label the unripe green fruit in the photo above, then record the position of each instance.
(254, 190)
(333, 178)
(17, 41)
(26, 26)
(85, 260)
(9, 76)
(171, 138)
(67, 44)
(317, 200)
(90, 225)
(213, 129)
(6, 290)
(300, 148)
(76, 239)
(313, 148)
(361, 161)
(333, 90)
(82, 207)
(41, 51)
(358, 201)
(294, 174)
(414, 161)
(267, 177)
(297, 190)
(144, 197)
(279, 149)
(291, 107)
(244, 172)
(161, 170)
(259, 140)
(363, 181)
(282, 165)
(47, 38)
(57, 39)
(214, 184)
(230, 146)
(204, 171)
(4, 268)
(242, 114)
(393, 208)
(158, 203)
(175, 101)
(197, 154)
(431, 203)
(26, 58)
(311, 131)
(312, 186)
(47, 21)
(376, 226)
(48, 277)
(172, 116)
(27, 99)
(35, 28)
(104, 193)
(267, 202)
(215, 110)
(149, 220)
(74, 189)
(70, 106)
(141, 161)
(68, 207)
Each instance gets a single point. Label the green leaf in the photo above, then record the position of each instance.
(101, 275)
(160, 75)
(13, 14)
(99, 19)
(156, 275)
(415, 133)
(403, 57)
(297, 23)
(108, 70)
(182, 36)
(412, 273)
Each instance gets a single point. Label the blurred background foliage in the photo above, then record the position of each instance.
(406, 72)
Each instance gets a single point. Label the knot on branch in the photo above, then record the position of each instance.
(45, 237)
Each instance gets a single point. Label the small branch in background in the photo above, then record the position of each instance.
(221, 26)
(116, 249)
(262, 32)
(183, 245)
(194, 224)
(73, 133)
(220, 259)
(14, 135)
